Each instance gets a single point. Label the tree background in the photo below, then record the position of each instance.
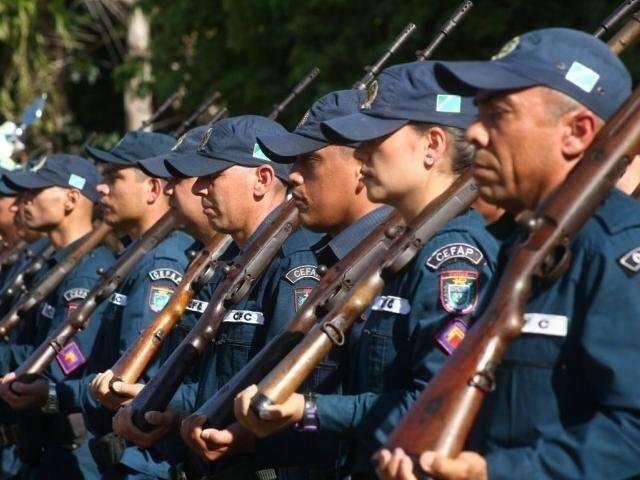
(251, 51)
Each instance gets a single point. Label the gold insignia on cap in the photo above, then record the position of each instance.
(508, 47)
(372, 93)
(304, 119)
(205, 139)
(179, 142)
(39, 164)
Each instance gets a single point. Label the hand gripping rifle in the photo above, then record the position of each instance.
(291, 372)
(239, 278)
(53, 278)
(445, 412)
(334, 284)
(38, 361)
(135, 360)
(299, 88)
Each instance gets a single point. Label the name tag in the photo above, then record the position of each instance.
(48, 311)
(244, 316)
(118, 299)
(546, 324)
(388, 303)
(197, 306)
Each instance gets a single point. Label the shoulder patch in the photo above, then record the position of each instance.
(70, 358)
(166, 274)
(300, 296)
(459, 291)
(303, 271)
(48, 310)
(75, 293)
(159, 297)
(452, 252)
(631, 260)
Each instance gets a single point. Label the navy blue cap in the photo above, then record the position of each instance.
(61, 170)
(132, 147)
(308, 135)
(187, 143)
(5, 188)
(570, 61)
(402, 94)
(230, 141)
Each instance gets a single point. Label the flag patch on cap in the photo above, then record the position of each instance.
(258, 153)
(76, 181)
(581, 76)
(70, 358)
(448, 103)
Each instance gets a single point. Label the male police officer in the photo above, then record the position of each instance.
(58, 200)
(566, 403)
(412, 149)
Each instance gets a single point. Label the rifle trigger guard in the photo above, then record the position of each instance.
(334, 333)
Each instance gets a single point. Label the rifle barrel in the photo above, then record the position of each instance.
(445, 30)
(194, 116)
(626, 36)
(303, 84)
(618, 14)
(161, 109)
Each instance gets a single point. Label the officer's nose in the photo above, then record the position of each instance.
(295, 177)
(477, 134)
(363, 151)
(200, 187)
(102, 189)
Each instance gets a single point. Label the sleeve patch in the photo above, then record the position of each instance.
(455, 251)
(303, 271)
(70, 358)
(75, 293)
(166, 274)
(244, 316)
(118, 299)
(48, 311)
(388, 303)
(300, 296)
(451, 335)
(197, 306)
(459, 291)
(158, 297)
(631, 260)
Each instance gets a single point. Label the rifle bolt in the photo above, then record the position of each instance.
(321, 270)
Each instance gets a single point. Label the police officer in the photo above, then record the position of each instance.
(412, 149)
(57, 199)
(566, 402)
(8, 231)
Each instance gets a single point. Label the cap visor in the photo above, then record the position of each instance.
(194, 165)
(104, 156)
(155, 167)
(6, 190)
(488, 75)
(360, 127)
(27, 181)
(286, 147)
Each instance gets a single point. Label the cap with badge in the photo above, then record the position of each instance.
(132, 147)
(572, 62)
(230, 141)
(59, 170)
(402, 94)
(5, 188)
(308, 135)
(186, 144)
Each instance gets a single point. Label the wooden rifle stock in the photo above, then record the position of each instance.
(238, 280)
(287, 377)
(333, 286)
(39, 360)
(53, 278)
(135, 360)
(445, 412)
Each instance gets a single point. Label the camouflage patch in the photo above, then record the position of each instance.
(70, 358)
(300, 296)
(304, 271)
(459, 291)
(451, 335)
(166, 274)
(158, 297)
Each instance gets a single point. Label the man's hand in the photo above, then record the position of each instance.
(212, 444)
(27, 395)
(272, 418)
(398, 466)
(164, 422)
(101, 391)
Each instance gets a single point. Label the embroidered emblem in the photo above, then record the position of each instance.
(72, 307)
(165, 274)
(372, 93)
(300, 296)
(75, 293)
(455, 251)
(179, 142)
(452, 334)
(70, 358)
(48, 311)
(244, 316)
(459, 291)
(448, 103)
(631, 260)
(197, 306)
(507, 48)
(546, 324)
(118, 299)
(304, 119)
(303, 271)
(388, 303)
(205, 139)
(159, 297)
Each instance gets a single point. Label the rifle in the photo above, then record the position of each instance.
(445, 30)
(304, 83)
(238, 280)
(53, 278)
(372, 71)
(135, 360)
(627, 35)
(289, 374)
(184, 126)
(11, 254)
(444, 413)
(161, 109)
(334, 285)
(40, 358)
(618, 14)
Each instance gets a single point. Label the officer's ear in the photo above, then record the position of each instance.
(434, 146)
(580, 126)
(155, 190)
(71, 200)
(265, 178)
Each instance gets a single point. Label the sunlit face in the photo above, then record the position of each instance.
(324, 183)
(517, 143)
(42, 209)
(183, 200)
(122, 194)
(227, 197)
(7, 214)
(393, 165)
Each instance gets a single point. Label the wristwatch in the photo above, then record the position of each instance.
(51, 405)
(309, 422)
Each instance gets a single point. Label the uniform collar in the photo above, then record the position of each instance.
(62, 252)
(263, 225)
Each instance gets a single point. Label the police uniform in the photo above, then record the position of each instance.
(566, 402)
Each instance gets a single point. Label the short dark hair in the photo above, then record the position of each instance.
(463, 150)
